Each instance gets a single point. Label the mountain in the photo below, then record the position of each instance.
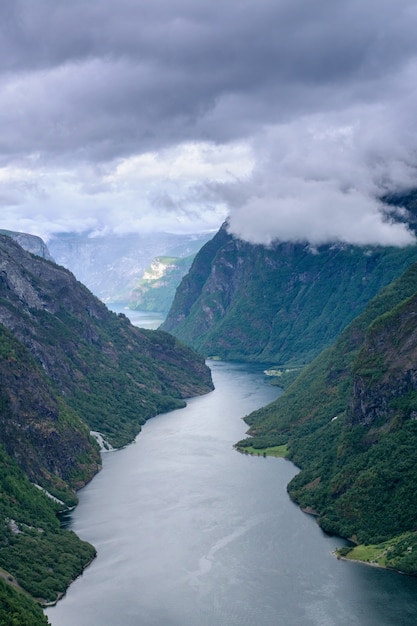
(31, 243)
(112, 265)
(86, 350)
(279, 304)
(156, 289)
(349, 421)
(67, 366)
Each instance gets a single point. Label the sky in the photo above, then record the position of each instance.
(290, 118)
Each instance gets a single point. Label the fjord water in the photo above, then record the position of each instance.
(144, 319)
(190, 532)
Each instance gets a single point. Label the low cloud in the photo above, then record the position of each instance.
(323, 178)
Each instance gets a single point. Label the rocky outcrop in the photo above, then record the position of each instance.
(384, 389)
(31, 243)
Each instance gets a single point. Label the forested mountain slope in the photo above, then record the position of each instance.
(67, 365)
(280, 304)
(350, 423)
(155, 291)
(113, 373)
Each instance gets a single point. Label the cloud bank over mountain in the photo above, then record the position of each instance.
(294, 118)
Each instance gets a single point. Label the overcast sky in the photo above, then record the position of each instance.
(292, 117)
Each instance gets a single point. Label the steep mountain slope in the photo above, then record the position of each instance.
(114, 374)
(67, 364)
(16, 608)
(156, 289)
(349, 421)
(281, 304)
(46, 438)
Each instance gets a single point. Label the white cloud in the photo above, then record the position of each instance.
(189, 162)
(148, 192)
(321, 178)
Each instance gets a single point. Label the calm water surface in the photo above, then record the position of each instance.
(190, 532)
(144, 319)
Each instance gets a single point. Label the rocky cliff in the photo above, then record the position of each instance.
(282, 303)
(384, 386)
(31, 243)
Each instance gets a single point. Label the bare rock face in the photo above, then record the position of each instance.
(385, 377)
(31, 243)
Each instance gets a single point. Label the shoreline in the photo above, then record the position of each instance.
(339, 557)
(378, 551)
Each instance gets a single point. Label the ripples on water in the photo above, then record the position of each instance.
(190, 532)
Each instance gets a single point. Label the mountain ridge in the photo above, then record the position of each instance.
(281, 304)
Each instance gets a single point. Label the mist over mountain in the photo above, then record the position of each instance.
(112, 265)
(280, 303)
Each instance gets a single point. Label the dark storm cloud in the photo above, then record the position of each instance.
(106, 78)
(323, 94)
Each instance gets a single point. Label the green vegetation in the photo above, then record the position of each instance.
(277, 451)
(282, 304)
(34, 549)
(349, 421)
(399, 553)
(18, 610)
(67, 365)
(156, 289)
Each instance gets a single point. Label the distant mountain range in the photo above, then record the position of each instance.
(156, 289)
(112, 266)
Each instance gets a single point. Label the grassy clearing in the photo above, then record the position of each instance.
(398, 553)
(277, 451)
(372, 554)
